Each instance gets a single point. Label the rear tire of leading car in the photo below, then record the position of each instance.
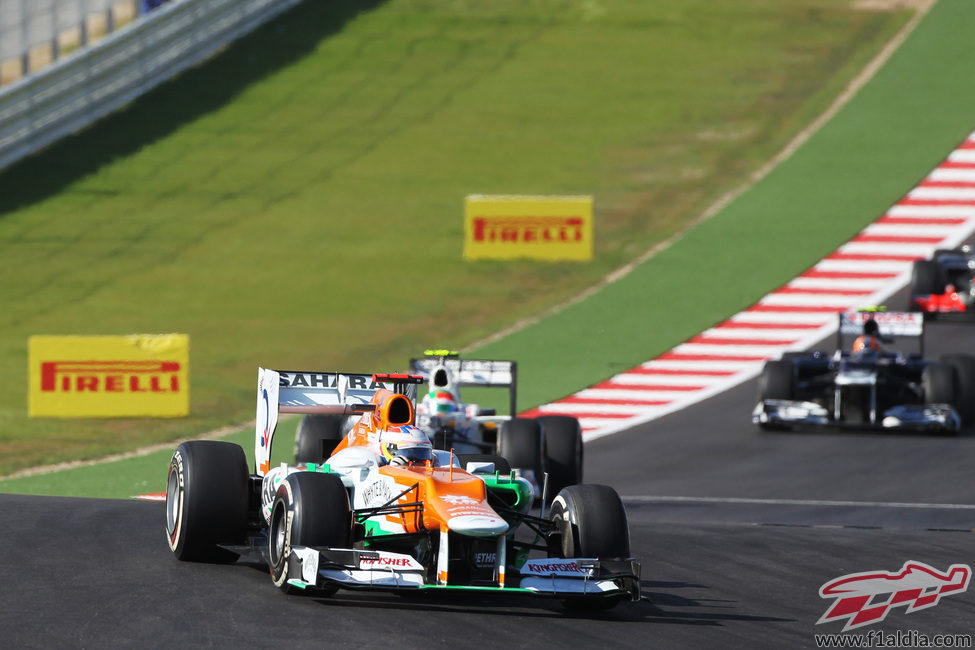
(520, 442)
(317, 437)
(310, 509)
(206, 500)
(964, 365)
(591, 523)
(562, 451)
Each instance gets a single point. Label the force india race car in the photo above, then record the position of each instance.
(387, 511)
(873, 388)
(549, 445)
(944, 284)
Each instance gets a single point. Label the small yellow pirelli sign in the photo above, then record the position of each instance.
(143, 375)
(534, 227)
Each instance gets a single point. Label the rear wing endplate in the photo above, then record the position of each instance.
(285, 391)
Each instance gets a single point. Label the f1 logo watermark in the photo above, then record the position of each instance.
(867, 598)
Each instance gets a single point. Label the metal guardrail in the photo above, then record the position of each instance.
(78, 90)
(25, 24)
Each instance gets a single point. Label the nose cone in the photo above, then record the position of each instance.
(478, 525)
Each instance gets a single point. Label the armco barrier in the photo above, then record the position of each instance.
(81, 89)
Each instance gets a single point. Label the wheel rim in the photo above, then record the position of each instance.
(277, 533)
(173, 494)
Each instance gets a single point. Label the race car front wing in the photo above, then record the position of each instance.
(382, 570)
(909, 417)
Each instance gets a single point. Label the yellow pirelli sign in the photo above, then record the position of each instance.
(534, 227)
(142, 375)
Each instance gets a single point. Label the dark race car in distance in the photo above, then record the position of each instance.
(873, 388)
(944, 284)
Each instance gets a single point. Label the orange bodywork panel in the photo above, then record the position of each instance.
(444, 492)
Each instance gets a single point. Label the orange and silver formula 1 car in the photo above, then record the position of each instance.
(386, 511)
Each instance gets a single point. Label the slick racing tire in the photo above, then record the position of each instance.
(775, 381)
(520, 442)
(938, 385)
(500, 462)
(317, 437)
(926, 278)
(206, 500)
(592, 524)
(310, 509)
(964, 366)
(561, 451)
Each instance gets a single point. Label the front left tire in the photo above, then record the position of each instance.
(310, 509)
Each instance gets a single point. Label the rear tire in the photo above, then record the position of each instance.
(520, 442)
(310, 509)
(562, 451)
(206, 500)
(926, 278)
(317, 437)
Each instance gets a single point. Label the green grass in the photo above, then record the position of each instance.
(296, 202)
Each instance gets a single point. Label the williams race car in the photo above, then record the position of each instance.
(945, 284)
(867, 386)
(387, 511)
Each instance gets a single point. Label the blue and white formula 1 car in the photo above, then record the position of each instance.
(387, 511)
(866, 385)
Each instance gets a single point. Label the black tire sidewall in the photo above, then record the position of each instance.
(964, 366)
(562, 454)
(313, 509)
(592, 521)
(520, 442)
(938, 384)
(925, 278)
(775, 382)
(206, 499)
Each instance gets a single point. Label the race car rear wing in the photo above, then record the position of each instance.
(890, 324)
(281, 391)
(471, 372)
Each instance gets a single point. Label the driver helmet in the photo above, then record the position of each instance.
(405, 445)
(866, 343)
(441, 402)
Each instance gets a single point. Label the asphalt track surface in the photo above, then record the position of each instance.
(737, 530)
